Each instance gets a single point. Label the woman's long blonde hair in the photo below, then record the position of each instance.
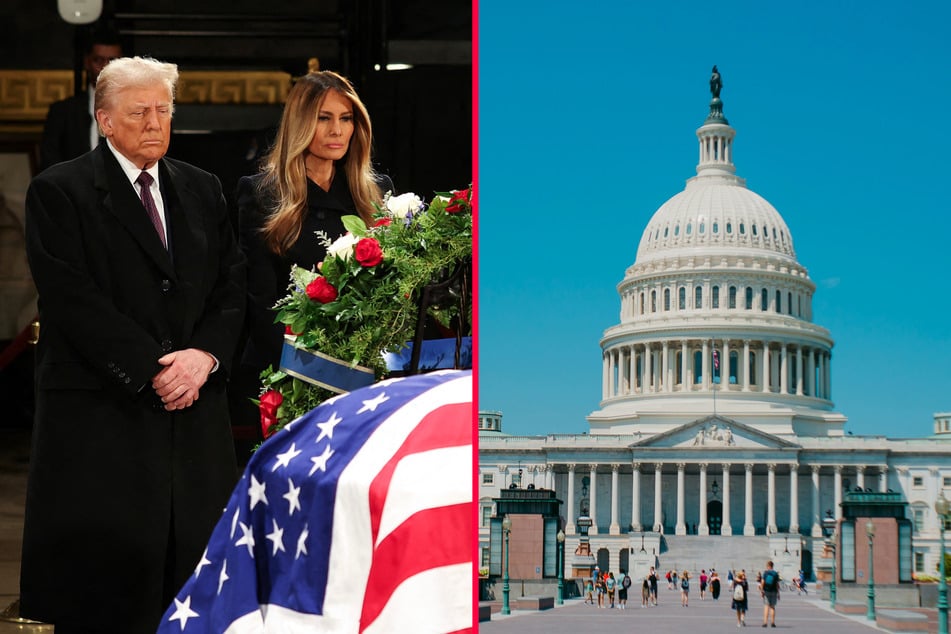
(285, 179)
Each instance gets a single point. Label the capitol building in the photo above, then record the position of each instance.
(716, 441)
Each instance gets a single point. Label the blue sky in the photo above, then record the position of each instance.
(587, 119)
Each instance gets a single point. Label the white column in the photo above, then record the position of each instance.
(725, 528)
(706, 365)
(614, 528)
(636, 499)
(799, 370)
(658, 515)
(765, 364)
(702, 528)
(593, 506)
(684, 386)
(746, 365)
(550, 476)
(681, 528)
(838, 492)
(668, 378)
(883, 479)
(811, 372)
(860, 476)
(605, 375)
(725, 366)
(816, 510)
(570, 519)
(648, 370)
(771, 496)
(748, 516)
(783, 369)
(633, 370)
(794, 498)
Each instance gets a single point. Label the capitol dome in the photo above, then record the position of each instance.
(716, 314)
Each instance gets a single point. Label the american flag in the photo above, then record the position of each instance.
(357, 517)
(716, 359)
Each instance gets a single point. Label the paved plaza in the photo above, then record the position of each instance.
(802, 613)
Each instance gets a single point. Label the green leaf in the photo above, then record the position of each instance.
(355, 225)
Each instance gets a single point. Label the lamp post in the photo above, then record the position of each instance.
(561, 566)
(506, 531)
(870, 611)
(835, 549)
(941, 506)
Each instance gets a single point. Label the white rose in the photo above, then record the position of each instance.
(400, 206)
(342, 247)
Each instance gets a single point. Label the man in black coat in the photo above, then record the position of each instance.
(70, 128)
(142, 293)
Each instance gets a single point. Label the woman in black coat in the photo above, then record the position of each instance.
(317, 171)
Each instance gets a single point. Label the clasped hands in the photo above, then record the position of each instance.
(185, 371)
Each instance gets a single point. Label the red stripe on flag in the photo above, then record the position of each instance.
(446, 426)
(432, 538)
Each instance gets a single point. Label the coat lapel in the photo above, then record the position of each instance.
(121, 200)
(187, 240)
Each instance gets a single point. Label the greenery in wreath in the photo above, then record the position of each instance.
(363, 299)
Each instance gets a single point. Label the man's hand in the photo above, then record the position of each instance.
(185, 371)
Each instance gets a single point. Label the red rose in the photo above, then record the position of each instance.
(383, 222)
(269, 403)
(458, 201)
(288, 330)
(267, 422)
(320, 290)
(368, 252)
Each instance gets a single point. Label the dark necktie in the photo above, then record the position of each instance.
(145, 181)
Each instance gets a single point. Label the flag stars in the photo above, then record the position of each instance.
(201, 564)
(320, 462)
(234, 521)
(223, 576)
(277, 538)
(247, 539)
(302, 543)
(284, 459)
(292, 496)
(327, 427)
(256, 492)
(372, 404)
(183, 611)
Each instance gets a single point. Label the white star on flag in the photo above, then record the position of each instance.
(256, 491)
(284, 459)
(292, 496)
(223, 576)
(247, 539)
(183, 611)
(320, 462)
(372, 404)
(204, 562)
(277, 538)
(302, 543)
(327, 427)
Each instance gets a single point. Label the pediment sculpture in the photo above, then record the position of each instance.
(714, 436)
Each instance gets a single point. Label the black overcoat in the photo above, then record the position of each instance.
(123, 495)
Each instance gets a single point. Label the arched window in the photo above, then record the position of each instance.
(751, 369)
(703, 226)
(729, 227)
(697, 367)
(749, 298)
(676, 230)
(779, 300)
(799, 307)
(665, 231)
(653, 301)
(732, 297)
(698, 297)
(642, 303)
(716, 227)
(764, 300)
(666, 299)
(689, 227)
(789, 303)
(682, 299)
(734, 364)
(715, 298)
(742, 229)
(754, 230)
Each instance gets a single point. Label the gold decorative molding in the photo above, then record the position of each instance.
(25, 95)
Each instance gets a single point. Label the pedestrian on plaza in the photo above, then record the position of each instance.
(622, 592)
(740, 598)
(589, 589)
(715, 585)
(610, 584)
(670, 581)
(599, 589)
(652, 579)
(703, 584)
(645, 593)
(684, 588)
(729, 580)
(770, 588)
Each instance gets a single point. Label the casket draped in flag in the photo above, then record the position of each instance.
(356, 517)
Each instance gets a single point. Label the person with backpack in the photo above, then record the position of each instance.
(622, 593)
(741, 590)
(684, 588)
(610, 586)
(770, 588)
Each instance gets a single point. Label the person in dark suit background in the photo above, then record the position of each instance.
(317, 171)
(140, 314)
(70, 128)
